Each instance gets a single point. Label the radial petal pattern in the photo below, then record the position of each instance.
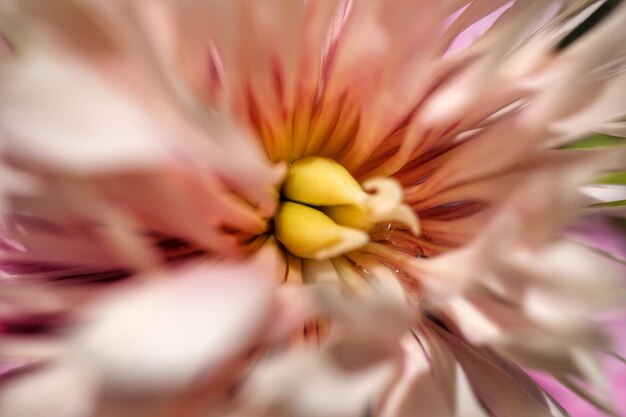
(310, 207)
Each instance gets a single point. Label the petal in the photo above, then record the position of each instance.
(602, 232)
(503, 393)
(63, 390)
(165, 333)
(347, 375)
(72, 129)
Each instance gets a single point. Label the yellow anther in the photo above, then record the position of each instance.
(384, 204)
(309, 233)
(322, 182)
(343, 211)
(350, 216)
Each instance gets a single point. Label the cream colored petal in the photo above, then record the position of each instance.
(346, 376)
(455, 98)
(60, 114)
(164, 334)
(605, 193)
(386, 203)
(59, 390)
(327, 390)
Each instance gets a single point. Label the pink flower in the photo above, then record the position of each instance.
(306, 208)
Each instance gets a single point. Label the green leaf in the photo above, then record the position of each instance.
(597, 140)
(617, 203)
(618, 178)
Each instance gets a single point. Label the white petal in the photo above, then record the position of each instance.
(309, 384)
(60, 390)
(165, 333)
(58, 113)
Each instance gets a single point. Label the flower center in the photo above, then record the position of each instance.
(325, 212)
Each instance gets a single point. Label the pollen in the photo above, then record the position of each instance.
(326, 212)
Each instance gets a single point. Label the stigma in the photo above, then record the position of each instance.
(325, 212)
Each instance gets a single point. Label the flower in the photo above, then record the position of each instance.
(307, 208)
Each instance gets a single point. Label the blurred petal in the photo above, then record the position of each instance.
(62, 390)
(164, 334)
(602, 232)
(347, 375)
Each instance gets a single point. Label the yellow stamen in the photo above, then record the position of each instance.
(309, 233)
(350, 216)
(322, 182)
(384, 205)
(343, 211)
